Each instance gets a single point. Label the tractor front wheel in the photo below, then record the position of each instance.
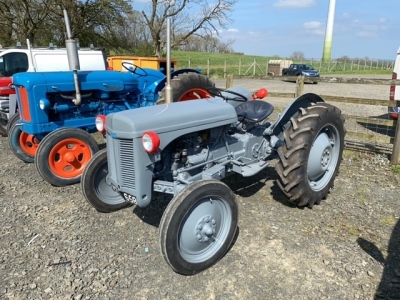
(63, 154)
(311, 153)
(198, 226)
(95, 188)
(22, 144)
(188, 86)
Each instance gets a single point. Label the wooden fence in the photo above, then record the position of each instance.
(372, 141)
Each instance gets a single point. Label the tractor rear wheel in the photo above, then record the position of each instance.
(63, 154)
(198, 226)
(311, 153)
(3, 127)
(95, 188)
(22, 144)
(188, 86)
(12, 121)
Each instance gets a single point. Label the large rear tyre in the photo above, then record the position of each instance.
(3, 127)
(63, 155)
(95, 188)
(198, 226)
(14, 119)
(311, 154)
(188, 86)
(22, 144)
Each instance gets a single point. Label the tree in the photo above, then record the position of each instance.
(297, 55)
(23, 18)
(188, 18)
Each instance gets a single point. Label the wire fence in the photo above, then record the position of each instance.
(220, 67)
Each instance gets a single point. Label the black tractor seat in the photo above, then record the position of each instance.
(253, 111)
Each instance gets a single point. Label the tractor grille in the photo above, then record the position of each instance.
(110, 155)
(120, 157)
(127, 163)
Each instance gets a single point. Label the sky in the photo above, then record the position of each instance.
(362, 28)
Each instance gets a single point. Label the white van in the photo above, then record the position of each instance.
(42, 60)
(395, 89)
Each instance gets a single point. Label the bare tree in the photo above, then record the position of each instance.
(297, 55)
(189, 17)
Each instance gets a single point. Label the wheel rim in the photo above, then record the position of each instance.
(323, 158)
(103, 190)
(28, 143)
(205, 229)
(68, 158)
(194, 94)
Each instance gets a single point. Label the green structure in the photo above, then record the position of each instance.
(326, 56)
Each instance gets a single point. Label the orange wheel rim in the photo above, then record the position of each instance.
(68, 158)
(194, 94)
(28, 143)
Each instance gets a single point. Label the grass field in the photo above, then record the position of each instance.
(218, 65)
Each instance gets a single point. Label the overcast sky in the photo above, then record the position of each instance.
(362, 28)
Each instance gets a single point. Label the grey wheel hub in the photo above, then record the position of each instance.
(323, 158)
(205, 229)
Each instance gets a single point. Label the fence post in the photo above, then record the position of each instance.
(189, 63)
(395, 158)
(254, 67)
(225, 68)
(229, 81)
(240, 65)
(208, 67)
(299, 86)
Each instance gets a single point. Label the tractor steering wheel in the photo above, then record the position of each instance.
(130, 67)
(214, 91)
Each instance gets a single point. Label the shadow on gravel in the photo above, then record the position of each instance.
(381, 129)
(389, 286)
(152, 213)
(249, 186)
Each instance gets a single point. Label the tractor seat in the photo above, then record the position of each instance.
(253, 111)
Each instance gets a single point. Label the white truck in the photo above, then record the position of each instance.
(18, 60)
(395, 89)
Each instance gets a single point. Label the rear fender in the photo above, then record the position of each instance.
(161, 84)
(303, 101)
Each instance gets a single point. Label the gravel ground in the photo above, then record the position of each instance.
(54, 245)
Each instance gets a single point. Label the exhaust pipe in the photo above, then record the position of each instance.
(73, 59)
(168, 88)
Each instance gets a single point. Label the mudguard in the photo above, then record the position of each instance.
(303, 101)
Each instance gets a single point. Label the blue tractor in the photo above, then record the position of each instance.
(55, 120)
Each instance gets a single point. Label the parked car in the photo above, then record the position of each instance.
(394, 94)
(301, 69)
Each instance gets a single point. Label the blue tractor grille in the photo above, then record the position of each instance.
(120, 157)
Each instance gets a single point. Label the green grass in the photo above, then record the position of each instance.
(218, 65)
(395, 169)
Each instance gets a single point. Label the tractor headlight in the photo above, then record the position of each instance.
(44, 104)
(151, 141)
(100, 122)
